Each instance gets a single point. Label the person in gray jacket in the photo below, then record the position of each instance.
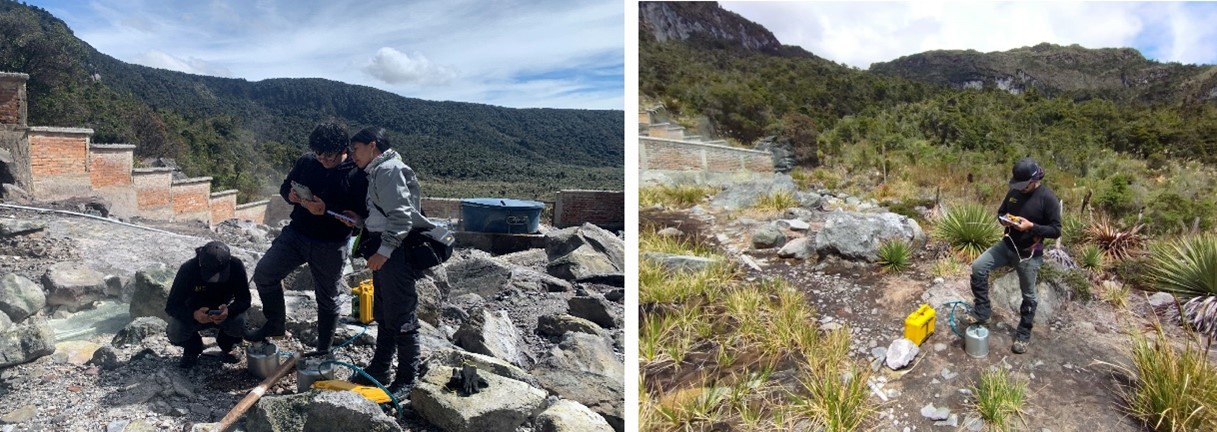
(393, 202)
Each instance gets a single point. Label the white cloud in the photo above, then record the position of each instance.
(161, 60)
(395, 67)
(861, 33)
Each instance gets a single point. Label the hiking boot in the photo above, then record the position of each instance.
(971, 320)
(401, 391)
(1020, 346)
(227, 345)
(191, 350)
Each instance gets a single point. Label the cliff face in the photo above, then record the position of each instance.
(684, 20)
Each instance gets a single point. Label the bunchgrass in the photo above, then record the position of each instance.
(678, 197)
(1091, 258)
(950, 266)
(1174, 389)
(837, 400)
(1116, 295)
(651, 241)
(776, 202)
(969, 228)
(895, 256)
(1000, 398)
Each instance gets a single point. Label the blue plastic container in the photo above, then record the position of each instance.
(501, 215)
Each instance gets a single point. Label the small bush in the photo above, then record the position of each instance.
(776, 202)
(1170, 213)
(895, 256)
(1174, 390)
(1000, 398)
(1117, 241)
(683, 196)
(1090, 257)
(970, 229)
(1186, 266)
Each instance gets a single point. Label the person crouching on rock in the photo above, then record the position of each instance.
(210, 290)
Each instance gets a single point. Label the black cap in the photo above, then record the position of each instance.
(1024, 172)
(213, 258)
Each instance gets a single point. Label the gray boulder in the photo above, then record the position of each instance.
(136, 331)
(73, 286)
(105, 358)
(16, 227)
(768, 236)
(26, 341)
(279, 413)
(857, 236)
(800, 248)
(504, 405)
(151, 291)
(602, 394)
(483, 276)
(455, 358)
(346, 410)
(745, 194)
(114, 286)
(560, 324)
(5, 322)
(1050, 296)
(679, 263)
(493, 334)
(20, 297)
(585, 353)
(570, 416)
(529, 280)
(583, 252)
(596, 309)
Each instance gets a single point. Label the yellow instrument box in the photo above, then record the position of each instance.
(373, 394)
(920, 324)
(363, 298)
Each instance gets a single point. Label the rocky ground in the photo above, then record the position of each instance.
(528, 332)
(1073, 385)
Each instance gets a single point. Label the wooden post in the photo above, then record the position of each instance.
(255, 394)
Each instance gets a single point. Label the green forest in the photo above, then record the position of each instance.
(1146, 155)
(246, 134)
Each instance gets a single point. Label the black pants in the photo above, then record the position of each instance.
(395, 308)
(289, 251)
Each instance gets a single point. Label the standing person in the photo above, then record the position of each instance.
(313, 237)
(393, 202)
(1022, 246)
(210, 290)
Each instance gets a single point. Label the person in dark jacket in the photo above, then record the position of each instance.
(210, 290)
(394, 209)
(314, 236)
(1037, 216)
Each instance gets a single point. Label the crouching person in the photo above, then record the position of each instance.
(210, 290)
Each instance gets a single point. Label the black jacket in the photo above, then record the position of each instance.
(344, 187)
(1042, 208)
(189, 292)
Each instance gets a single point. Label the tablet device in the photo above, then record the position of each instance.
(1010, 219)
(302, 191)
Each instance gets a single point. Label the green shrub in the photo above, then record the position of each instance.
(969, 228)
(1174, 390)
(1170, 213)
(1000, 398)
(1185, 266)
(1117, 197)
(1090, 257)
(777, 201)
(895, 256)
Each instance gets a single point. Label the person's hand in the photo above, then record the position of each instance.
(1024, 224)
(354, 216)
(292, 197)
(315, 206)
(377, 261)
(216, 319)
(200, 315)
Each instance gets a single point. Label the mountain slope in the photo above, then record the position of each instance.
(245, 134)
(1114, 73)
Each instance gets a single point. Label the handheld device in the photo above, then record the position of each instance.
(341, 216)
(1010, 219)
(214, 312)
(302, 191)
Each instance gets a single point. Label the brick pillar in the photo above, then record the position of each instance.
(223, 205)
(59, 162)
(110, 174)
(191, 199)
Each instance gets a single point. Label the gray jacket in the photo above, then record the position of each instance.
(393, 187)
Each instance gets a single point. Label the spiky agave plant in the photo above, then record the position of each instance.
(969, 228)
(1187, 267)
(1118, 242)
(895, 256)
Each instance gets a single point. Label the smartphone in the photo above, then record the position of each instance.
(302, 191)
(214, 312)
(341, 216)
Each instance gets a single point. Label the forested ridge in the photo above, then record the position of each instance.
(246, 134)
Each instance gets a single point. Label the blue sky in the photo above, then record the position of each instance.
(514, 53)
(861, 33)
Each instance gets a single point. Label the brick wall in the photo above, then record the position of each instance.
(605, 209)
(671, 155)
(254, 211)
(12, 98)
(191, 198)
(110, 176)
(446, 208)
(223, 205)
(152, 192)
(59, 162)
